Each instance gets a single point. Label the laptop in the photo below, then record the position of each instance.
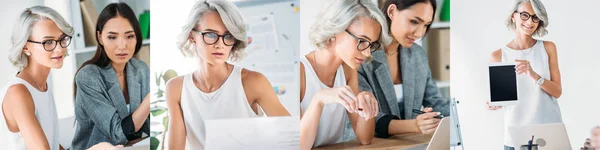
(503, 84)
(546, 136)
(440, 138)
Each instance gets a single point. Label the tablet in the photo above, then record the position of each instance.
(503, 84)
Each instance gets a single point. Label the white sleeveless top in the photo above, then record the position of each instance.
(45, 112)
(535, 105)
(399, 93)
(229, 101)
(333, 116)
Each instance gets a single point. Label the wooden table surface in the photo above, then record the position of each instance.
(395, 142)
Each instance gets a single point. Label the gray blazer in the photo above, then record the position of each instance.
(418, 87)
(100, 107)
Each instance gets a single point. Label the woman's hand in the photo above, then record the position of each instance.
(595, 139)
(426, 121)
(523, 66)
(367, 105)
(487, 105)
(105, 146)
(341, 95)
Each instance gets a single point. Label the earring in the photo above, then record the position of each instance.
(28, 53)
(332, 39)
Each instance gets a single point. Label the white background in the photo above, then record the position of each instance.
(478, 29)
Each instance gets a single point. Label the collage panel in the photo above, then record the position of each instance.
(78, 75)
(226, 74)
(523, 74)
(366, 81)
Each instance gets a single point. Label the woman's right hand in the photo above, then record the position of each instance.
(426, 121)
(487, 105)
(342, 95)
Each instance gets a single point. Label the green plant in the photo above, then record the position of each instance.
(158, 107)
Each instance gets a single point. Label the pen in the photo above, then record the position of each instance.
(421, 112)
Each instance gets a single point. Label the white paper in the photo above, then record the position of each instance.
(253, 133)
(141, 145)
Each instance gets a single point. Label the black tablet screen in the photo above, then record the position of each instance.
(503, 83)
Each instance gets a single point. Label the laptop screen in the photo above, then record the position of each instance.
(503, 83)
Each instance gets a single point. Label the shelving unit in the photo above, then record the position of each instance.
(440, 25)
(444, 86)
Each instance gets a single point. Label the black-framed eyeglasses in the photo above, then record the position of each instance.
(211, 38)
(364, 44)
(50, 45)
(525, 16)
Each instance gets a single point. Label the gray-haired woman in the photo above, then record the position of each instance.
(214, 33)
(536, 59)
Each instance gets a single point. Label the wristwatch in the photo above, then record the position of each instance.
(540, 81)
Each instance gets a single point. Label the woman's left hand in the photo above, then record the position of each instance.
(523, 66)
(368, 104)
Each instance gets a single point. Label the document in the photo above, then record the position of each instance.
(253, 133)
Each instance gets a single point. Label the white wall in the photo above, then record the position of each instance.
(10, 12)
(478, 29)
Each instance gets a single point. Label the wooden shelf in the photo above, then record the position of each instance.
(440, 25)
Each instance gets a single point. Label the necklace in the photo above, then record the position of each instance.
(524, 51)
(394, 53)
(38, 87)
(120, 74)
(218, 90)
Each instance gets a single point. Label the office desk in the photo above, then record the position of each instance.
(395, 142)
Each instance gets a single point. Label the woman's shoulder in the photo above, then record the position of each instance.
(18, 95)
(175, 84)
(253, 77)
(87, 71)
(549, 45)
(417, 48)
(550, 48)
(139, 65)
(417, 51)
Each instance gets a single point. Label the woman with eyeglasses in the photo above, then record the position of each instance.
(400, 77)
(536, 59)
(112, 102)
(344, 35)
(215, 33)
(39, 43)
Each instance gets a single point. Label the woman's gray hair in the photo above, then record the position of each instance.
(540, 12)
(232, 18)
(23, 27)
(339, 14)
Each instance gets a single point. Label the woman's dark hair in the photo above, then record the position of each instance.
(404, 4)
(111, 11)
